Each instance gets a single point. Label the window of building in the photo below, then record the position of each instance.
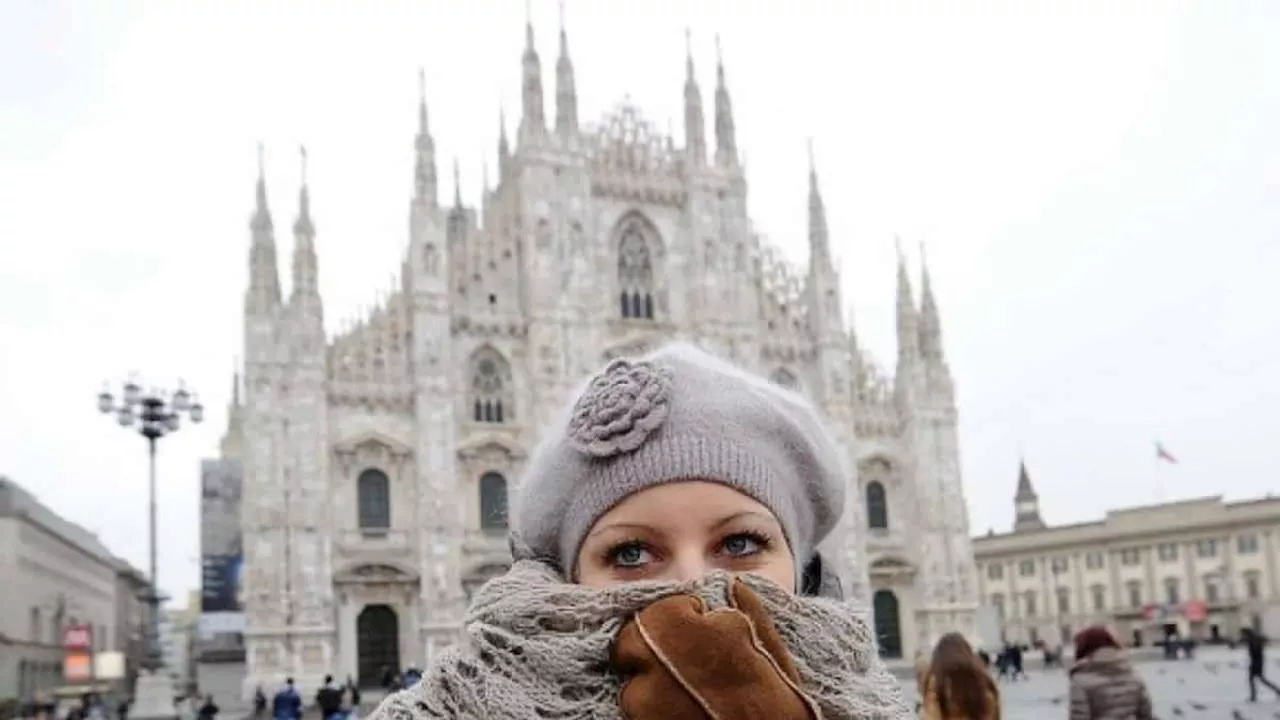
(1029, 603)
(1207, 548)
(995, 571)
(1134, 590)
(1064, 634)
(1253, 585)
(783, 377)
(1099, 593)
(1033, 635)
(490, 387)
(1130, 557)
(1027, 568)
(493, 502)
(1058, 565)
(877, 507)
(1210, 590)
(1247, 544)
(997, 602)
(1167, 552)
(1064, 601)
(635, 271)
(1094, 560)
(373, 501)
(1172, 595)
(34, 629)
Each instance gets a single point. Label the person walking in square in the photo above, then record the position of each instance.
(1255, 644)
(1103, 683)
(957, 685)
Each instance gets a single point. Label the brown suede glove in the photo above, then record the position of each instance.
(681, 661)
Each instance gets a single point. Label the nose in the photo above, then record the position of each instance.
(687, 565)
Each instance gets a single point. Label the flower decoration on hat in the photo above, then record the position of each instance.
(621, 407)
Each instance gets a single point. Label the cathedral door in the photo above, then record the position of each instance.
(377, 644)
(888, 623)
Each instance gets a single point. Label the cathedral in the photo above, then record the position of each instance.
(378, 461)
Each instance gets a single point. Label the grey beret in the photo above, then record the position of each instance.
(677, 414)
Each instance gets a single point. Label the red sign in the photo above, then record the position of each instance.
(77, 637)
(1195, 611)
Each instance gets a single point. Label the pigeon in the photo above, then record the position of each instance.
(1177, 711)
(1197, 706)
(1237, 715)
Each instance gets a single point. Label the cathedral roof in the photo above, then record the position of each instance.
(626, 140)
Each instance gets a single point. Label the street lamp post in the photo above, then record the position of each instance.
(154, 414)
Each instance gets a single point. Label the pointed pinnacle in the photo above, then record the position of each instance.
(457, 183)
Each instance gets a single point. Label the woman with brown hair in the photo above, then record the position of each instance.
(1103, 683)
(957, 685)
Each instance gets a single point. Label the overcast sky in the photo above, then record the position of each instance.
(1098, 185)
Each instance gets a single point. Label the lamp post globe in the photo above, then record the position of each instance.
(153, 414)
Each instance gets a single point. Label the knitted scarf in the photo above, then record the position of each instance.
(536, 647)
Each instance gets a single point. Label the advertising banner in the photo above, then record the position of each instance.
(221, 556)
(77, 658)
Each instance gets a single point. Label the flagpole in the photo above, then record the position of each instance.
(1158, 479)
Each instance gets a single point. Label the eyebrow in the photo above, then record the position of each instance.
(718, 524)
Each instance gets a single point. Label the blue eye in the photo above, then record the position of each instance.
(629, 555)
(742, 544)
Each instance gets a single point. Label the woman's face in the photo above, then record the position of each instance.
(682, 531)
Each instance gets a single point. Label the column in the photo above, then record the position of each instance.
(348, 659)
(1269, 548)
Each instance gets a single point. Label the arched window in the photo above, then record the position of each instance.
(785, 378)
(373, 500)
(877, 507)
(490, 387)
(635, 271)
(493, 502)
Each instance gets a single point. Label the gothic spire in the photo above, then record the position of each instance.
(695, 127)
(261, 220)
(425, 184)
(504, 148)
(264, 275)
(533, 120)
(819, 242)
(726, 134)
(930, 323)
(304, 233)
(908, 320)
(566, 92)
(457, 186)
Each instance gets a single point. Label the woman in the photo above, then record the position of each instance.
(665, 540)
(957, 685)
(1103, 683)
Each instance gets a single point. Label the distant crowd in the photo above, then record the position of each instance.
(959, 682)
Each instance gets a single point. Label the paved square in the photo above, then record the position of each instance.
(1215, 680)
